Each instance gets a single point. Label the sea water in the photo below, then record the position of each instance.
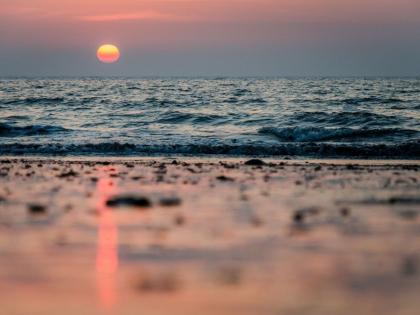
(300, 117)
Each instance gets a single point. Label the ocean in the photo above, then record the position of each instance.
(279, 117)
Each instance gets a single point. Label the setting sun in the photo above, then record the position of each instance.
(108, 53)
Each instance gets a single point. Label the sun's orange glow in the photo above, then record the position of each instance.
(108, 53)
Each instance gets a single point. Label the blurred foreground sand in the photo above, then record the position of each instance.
(209, 237)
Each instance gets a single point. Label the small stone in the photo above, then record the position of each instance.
(71, 173)
(230, 276)
(256, 221)
(36, 208)
(255, 162)
(298, 217)
(224, 178)
(408, 214)
(129, 201)
(345, 212)
(409, 266)
(167, 282)
(179, 220)
(170, 201)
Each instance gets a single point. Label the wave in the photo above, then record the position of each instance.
(371, 99)
(408, 150)
(7, 130)
(34, 100)
(318, 134)
(176, 117)
(346, 119)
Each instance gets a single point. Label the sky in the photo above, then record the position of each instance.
(211, 37)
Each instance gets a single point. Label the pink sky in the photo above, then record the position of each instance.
(179, 25)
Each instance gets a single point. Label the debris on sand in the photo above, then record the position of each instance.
(230, 276)
(179, 220)
(170, 201)
(404, 200)
(70, 173)
(256, 221)
(300, 215)
(35, 208)
(224, 178)
(166, 282)
(255, 162)
(408, 214)
(409, 266)
(345, 212)
(129, 201)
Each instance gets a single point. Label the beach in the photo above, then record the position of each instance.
(209, 236)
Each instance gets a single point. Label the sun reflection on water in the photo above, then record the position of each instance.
(107, 245)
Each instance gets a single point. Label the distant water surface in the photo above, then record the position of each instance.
(346, 118)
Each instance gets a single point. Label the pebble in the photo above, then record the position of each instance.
(170, 201)
(224, 178)
(129, 201)
(36, 208)
(345, 212)
(71, 173)
(255, 162)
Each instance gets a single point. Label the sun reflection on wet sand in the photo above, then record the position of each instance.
(107, 245)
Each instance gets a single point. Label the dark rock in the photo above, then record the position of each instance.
(318, 168)
(404, 200)
(255, 162)
(224, 178)
(298, 217)
(70, 173)
(129, 201)
(36, 208)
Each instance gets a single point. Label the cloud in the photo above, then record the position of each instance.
(145, 15)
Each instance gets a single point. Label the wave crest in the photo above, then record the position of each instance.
(315, 134)
(7, 130)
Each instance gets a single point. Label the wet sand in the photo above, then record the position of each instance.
(204, 236)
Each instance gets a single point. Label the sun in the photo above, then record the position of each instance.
(108, 53)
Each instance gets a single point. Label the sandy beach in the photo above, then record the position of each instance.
(209, 236)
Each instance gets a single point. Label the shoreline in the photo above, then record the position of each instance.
(210, 159)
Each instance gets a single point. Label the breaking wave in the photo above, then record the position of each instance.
(317, 134)
(7, 130)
